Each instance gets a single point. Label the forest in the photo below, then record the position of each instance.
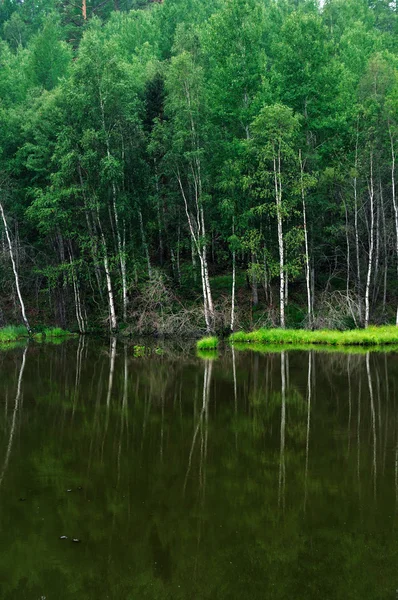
(187, 166)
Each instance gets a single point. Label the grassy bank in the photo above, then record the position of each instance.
(207, 343)
(16, 333)
(373, 336)
(52, 333)
(13, 333)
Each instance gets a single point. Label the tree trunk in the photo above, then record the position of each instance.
(377, 250)
(254, 281)
(122, 254)
(371, 244)
(206, 269)
(306, 245)
(78, 307)
(197, 232)
(92, 234)
(14, 268)
(111, 302)
(347, 239)
(233, 283)
(278, 198)
(383, 214)
(359, 292)
(145, 245)
(394, 201)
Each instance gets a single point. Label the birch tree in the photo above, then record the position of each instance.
(186, 107)
(273, 137)
(14, 267)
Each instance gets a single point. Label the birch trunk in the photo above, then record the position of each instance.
(206, 269)
(78, 308)
(122, 255)
(92, 234)
(111, 301)
(197, 230)
(383, 214)
(193, 256)
(233, 283)
(306, 245)
(394, 201)
(254, 282)
(347, 239)
(377, 249)
(14, 268)
(278, 199)
(371, 244)
(357, 234)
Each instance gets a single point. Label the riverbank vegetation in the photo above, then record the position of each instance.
(207, 343)
(187, 166)
(372, 336)
(14, 333)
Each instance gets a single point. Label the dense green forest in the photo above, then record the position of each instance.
(186, 165)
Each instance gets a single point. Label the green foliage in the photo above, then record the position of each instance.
(207, 343)
(372, 336)
(151, 132)
(50, 333)
(12, 333)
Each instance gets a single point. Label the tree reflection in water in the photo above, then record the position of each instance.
(249, 476)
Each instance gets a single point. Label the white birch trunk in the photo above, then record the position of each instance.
(394, 202)
(278, 199)
(347, 239)
(79, 317)
(122, 254)
(233, 283)
(111, 301)
(206, 270)
(371, 244)
(359, 292)
(195, 235)
(306, 245)
(14, 268)
(383, 214)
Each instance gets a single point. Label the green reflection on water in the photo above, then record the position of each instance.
(253, 476)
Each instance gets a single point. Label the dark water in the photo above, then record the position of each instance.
(249, 477)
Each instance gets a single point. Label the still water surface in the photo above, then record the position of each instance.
(248, 477)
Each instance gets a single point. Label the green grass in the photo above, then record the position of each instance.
(372, 336)
(13, 333)
(207, 343)
(52, 333)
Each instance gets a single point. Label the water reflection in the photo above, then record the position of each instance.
(249, 476)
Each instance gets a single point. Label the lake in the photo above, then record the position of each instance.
(130, 474)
